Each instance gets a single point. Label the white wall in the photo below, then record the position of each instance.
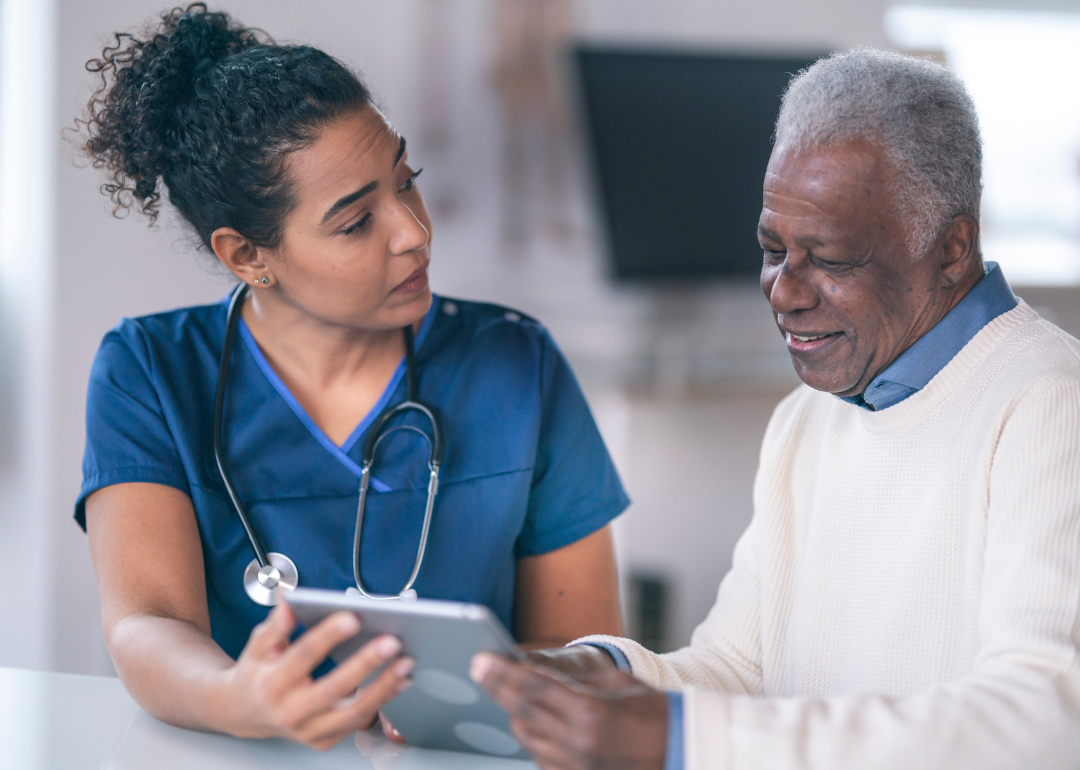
(666, 445)
(27, 61)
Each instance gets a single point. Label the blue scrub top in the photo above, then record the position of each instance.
(525, 471)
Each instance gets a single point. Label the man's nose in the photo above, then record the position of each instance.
(790, 291)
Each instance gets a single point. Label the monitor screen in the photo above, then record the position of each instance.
(680, 143)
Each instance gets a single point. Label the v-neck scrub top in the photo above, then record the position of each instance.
(525, 471)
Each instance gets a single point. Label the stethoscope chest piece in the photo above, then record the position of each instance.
(262, 583)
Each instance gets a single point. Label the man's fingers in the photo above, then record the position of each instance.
(272, 635)
(311, 649)
(549, 753)
(518, 689)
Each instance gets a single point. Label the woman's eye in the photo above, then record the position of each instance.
(357, 225)
(411, 181)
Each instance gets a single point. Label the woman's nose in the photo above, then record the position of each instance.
(409, 232)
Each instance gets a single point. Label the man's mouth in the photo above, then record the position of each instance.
(811, 342)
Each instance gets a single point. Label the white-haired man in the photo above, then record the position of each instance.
(908, 592)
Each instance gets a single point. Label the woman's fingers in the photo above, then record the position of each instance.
(351, 715)
(347, 676)
(387, 686)
(390, 731)
(272, 635)
(315, 644)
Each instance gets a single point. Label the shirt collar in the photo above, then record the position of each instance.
(920, 363)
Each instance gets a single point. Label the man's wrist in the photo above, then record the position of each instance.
(612, 653)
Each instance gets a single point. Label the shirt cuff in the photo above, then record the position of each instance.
(673, 759)
(621, 661)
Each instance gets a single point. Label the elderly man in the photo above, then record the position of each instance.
(908, 592)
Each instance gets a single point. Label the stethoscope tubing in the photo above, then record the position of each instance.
(260, 583)
(232, 321)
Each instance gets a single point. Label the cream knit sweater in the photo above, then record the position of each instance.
(908, 592)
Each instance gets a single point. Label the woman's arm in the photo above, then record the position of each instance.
(568, 593)
(149, 563)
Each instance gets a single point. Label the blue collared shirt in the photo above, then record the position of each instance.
(920, 363)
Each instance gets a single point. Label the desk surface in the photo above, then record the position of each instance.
(67, 722)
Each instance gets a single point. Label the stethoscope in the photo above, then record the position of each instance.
(270, 572)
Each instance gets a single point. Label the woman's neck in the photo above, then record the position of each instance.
(324, 352)
(337, 373)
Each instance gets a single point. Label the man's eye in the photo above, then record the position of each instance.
(834, 266)
(357, 225)
(411, 181)
(774, 256)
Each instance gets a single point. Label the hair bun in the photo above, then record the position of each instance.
(207, 111)
(144, 188)
(144, 82)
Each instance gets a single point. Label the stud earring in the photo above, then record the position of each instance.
(264, 280)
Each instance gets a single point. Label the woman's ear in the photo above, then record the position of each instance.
(241, 256)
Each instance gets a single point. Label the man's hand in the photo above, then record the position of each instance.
(614, 721)
(582, 662)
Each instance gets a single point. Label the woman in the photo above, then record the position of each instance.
(279, 161)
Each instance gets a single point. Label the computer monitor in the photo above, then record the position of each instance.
(680, 142)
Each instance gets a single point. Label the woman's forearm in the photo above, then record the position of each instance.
(173, 670)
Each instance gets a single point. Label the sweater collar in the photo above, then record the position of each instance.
(952, 377)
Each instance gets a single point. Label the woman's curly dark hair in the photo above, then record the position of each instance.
(212, 108)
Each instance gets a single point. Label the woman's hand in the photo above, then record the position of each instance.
(270, 690)
(390, 731)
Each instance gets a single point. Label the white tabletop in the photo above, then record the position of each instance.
(67, 722)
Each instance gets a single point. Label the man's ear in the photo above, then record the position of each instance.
(241, 256)
(958, 249)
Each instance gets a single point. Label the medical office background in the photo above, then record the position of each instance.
(682, 375)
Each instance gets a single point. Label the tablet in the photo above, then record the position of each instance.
(443, 709)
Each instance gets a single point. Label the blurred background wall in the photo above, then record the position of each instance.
(682, 376)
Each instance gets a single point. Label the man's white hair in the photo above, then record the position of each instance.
(915, 110)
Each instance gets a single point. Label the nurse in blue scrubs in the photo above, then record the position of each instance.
(289, 175)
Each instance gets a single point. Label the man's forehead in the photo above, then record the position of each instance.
(824, 182)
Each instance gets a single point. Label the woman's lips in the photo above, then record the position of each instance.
(415, 283)
(810, 343)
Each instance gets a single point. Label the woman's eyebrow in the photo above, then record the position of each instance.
(353, 197)
(349, 199)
